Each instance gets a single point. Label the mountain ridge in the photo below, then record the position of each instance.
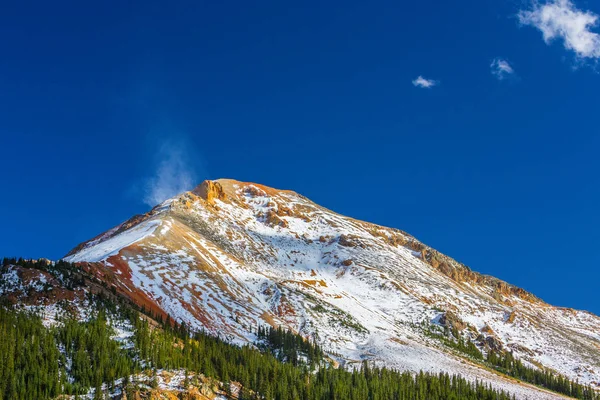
(229, 255)
(219, 188)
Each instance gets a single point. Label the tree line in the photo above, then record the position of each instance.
(38, 362)
(506, 363)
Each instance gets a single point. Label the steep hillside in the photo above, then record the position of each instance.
(103, 348)
(229, 256)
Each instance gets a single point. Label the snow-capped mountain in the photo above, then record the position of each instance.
(229, 256)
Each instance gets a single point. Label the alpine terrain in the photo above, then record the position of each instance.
(229, 257)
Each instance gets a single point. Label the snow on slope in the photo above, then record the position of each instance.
(231, 255)
(101, 250)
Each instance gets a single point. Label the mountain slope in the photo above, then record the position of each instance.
(229, 256)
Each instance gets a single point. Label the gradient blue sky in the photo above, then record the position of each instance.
(102, 105)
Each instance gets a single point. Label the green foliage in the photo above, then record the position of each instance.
(509, 365)
(96, 358)
(41, 363)
(319, 308)
(263, 374)
(455, 341)
(33, 368)
(29, 358)
(289, 347)
(35, 361)
(343, 319)
(66, 273)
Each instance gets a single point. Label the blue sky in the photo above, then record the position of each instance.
(105, 108)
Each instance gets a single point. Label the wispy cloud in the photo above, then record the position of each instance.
(424, 83)
(501, 68)
(175, 172)
(561, 19)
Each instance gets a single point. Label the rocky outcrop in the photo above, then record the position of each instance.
(490, 342)
(192, 393)
(209, 191)
(450, 267)
(194, 387)
(452, 321)
(272, 219)
(461, 273)
(351, 241)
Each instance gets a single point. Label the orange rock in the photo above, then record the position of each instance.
(209, 191)
(273, 220)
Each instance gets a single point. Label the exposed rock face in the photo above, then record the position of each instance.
(490, 342)
(210, 191)
(231, 255)
(346, 240)
(461, 273)
(515, 347)
(196, 387)
(192, 393)
(273, 219)
(511, 317)
(350, 241)
(452, 321)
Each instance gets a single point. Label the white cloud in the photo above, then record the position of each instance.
(561, 19)
(174, 173)
(501, 69)
(424, 83)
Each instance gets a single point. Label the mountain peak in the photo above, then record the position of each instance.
(210, 190)
(230, 189)
(229, 256)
